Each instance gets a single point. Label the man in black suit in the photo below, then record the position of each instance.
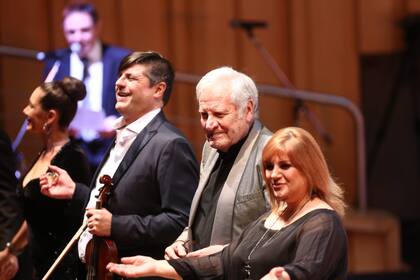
(152, 165)
(95, 63)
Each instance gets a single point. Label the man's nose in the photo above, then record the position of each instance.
(119, 83)
(76, 37)
(211, 123)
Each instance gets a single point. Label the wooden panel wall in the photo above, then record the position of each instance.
(316, 42)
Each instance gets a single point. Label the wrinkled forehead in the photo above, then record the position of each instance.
(217, 104)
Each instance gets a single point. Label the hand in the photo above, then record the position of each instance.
(176, 250)
(56, 183)
(99, 221)
(206, 251)
(4, 254)
(9, 267)
(131, 267)
(276, 273)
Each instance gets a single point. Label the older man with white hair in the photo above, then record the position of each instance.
(231, 193)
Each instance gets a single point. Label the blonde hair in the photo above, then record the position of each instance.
(305, 154)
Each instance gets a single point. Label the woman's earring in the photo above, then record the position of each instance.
(46, 128)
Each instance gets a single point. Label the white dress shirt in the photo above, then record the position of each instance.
(93, 82)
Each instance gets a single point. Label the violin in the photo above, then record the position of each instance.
(100, 251)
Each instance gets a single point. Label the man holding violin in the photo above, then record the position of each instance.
(152, 165)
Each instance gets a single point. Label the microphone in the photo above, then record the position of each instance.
(75, 47)
(46, 55)
(247, 24)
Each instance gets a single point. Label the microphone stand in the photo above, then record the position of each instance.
(299, 106)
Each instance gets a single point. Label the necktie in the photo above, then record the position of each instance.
(85, 62)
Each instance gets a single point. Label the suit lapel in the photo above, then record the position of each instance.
(209, 161)
(64, 69)
(141, 140)
(222, 231)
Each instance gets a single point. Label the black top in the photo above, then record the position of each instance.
(313, 247)
(53, 222)
(206, 210)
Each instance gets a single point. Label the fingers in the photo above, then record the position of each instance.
(56, 169)
(9, 268)
(117, 269)
(176, 251)
(99, 221)
(124, 270)
(51, 177)
(276, 273)
(170, 253)
(130, 260)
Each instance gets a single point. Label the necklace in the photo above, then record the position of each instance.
(247, 266)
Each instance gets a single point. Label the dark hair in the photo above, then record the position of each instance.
(82, 8)
(158, 70)
(63, 96)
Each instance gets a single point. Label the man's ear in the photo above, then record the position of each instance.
(249, 110)
(159, 90)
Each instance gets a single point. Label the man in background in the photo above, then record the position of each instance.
(95, 63)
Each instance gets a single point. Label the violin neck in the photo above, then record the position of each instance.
(98, 204)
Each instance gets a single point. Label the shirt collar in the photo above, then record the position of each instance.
(235, 148)
(138, 125)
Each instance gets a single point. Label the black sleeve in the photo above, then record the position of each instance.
(321, 250)
(11, 215)
(208, 267)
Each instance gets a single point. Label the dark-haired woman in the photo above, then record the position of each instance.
(52, 222)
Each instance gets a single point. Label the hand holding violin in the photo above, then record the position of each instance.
(99, 222)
